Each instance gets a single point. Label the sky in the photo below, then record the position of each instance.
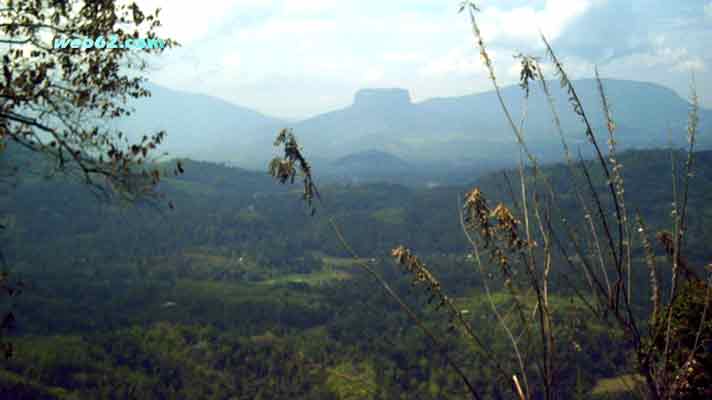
(297, 58)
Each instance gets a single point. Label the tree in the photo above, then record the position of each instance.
(592, 254)
(56, 101)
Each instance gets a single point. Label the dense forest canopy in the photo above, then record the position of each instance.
(542, 239)
(240, 258)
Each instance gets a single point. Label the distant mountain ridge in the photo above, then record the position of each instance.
(367, 165)
(375, 158)
(199, 126)
(381, 99)
(448, 132)
(473, 127)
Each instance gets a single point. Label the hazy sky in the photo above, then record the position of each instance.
(297, 58)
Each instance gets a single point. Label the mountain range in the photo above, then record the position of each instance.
(385, 130)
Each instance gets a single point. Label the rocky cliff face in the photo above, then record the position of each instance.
(381, 98)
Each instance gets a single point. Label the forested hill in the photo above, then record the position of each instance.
(249, 212)
(239, 290)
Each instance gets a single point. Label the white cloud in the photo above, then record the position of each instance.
(665, 59)
(231, 60)
(695, 64)
(410, 23)
(455, 62)
(286, 29)
(373, 75)
(402, 57)
(575, 67)
(321, 51)
(188, 22)
(521, 25)
(292, 7)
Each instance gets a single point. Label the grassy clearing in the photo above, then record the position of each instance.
(351, 381)
(312, 279)
(342, 262)
(207, 258)
(393, 216)
(20, 384)
(227, 292)
(616, 385)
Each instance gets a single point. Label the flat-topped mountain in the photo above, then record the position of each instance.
(459, 131)
(381, 99)
(473, 127)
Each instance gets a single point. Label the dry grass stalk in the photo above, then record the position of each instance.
(518, 387)
(499, 232)
(618, 183)
(422, 275)
(620, 244)
(478, 207)
(652, 267)
(284, 171)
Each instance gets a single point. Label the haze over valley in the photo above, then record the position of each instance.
(356, 200)
(385, 135)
